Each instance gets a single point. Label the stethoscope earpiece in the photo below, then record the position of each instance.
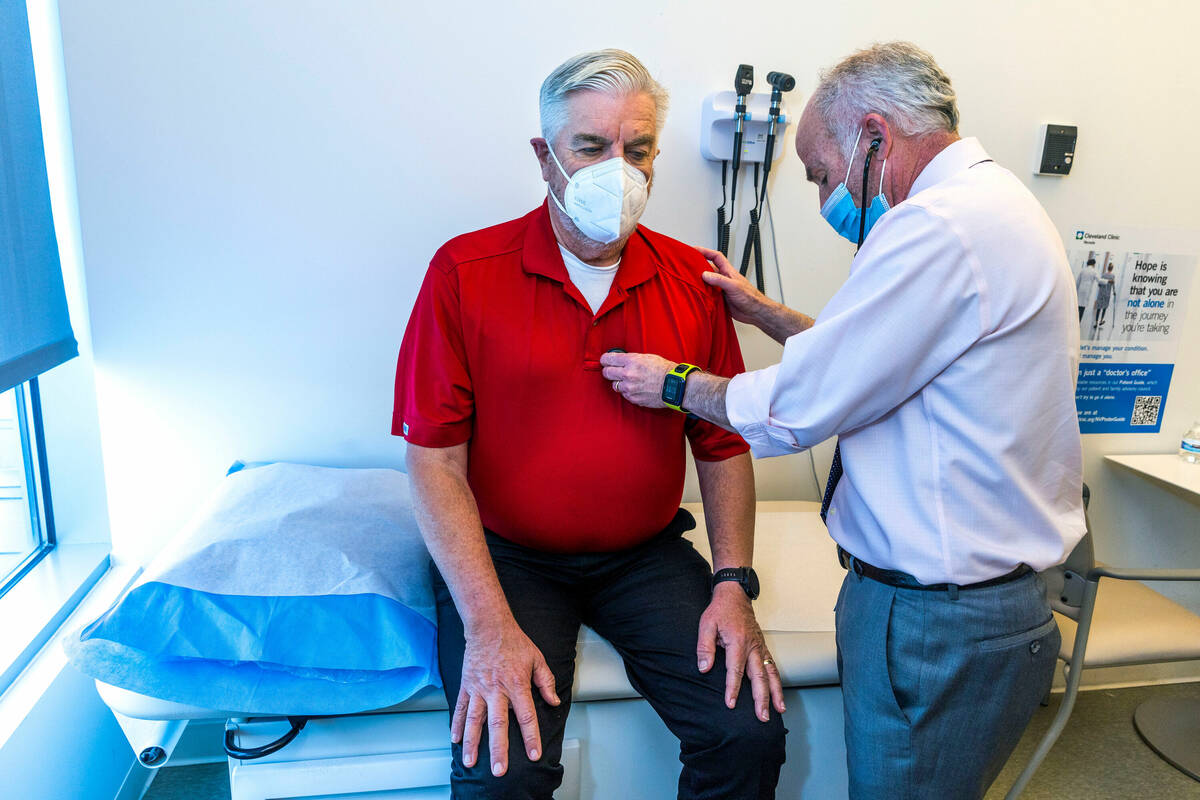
(862, 219)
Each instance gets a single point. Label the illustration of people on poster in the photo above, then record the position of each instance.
(1132, 288)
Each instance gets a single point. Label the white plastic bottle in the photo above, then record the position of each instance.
(1189, 448)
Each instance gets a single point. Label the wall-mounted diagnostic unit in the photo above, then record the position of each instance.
(740, 126)
(1057, 149)
(717, 125)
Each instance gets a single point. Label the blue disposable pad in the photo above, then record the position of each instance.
(249, 688)
(347, 632)
(296, 590)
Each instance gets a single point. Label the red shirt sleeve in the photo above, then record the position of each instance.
(434, 403)
(711, 442)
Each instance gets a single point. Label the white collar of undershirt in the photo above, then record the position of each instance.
(572, 261)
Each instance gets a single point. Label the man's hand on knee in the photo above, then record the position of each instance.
(498, 665)
(729, 622)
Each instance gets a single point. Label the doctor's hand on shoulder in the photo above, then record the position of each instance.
(745, 302)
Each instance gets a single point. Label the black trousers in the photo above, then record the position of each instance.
(646, 601)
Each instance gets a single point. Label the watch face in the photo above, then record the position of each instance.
(752, 584)
(673, 389)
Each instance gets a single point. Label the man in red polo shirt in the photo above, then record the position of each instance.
(548, 502)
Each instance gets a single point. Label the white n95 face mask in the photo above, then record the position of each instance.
(605, 200)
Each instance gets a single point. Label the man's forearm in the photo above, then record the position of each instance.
(780, 322)
(727, 489)
(449, 521)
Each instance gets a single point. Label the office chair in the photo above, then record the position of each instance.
(1109, 628)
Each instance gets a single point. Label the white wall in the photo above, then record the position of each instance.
(262, 185)
(69, 745)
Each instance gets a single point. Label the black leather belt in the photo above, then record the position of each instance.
(902, 580)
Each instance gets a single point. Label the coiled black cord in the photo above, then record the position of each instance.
(722, 224)
(267, 749)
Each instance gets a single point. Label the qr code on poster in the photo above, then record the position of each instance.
(1145, 409)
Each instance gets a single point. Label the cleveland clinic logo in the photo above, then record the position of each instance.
(1083, 235)
(1091, 237)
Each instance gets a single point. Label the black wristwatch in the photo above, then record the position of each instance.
(746, 576)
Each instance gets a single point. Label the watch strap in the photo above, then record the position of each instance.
(742, 575)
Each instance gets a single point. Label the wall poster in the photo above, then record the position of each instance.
(1132, 287)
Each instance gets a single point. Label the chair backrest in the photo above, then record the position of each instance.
(1064, 583)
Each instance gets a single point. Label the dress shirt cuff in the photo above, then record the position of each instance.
(748, 406)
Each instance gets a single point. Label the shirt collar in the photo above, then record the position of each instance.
(956, 157)
(540, 254)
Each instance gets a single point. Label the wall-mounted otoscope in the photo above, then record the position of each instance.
(743, 84)
(780, 82)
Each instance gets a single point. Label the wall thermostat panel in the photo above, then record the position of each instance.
(717, 123)
(1057, 151)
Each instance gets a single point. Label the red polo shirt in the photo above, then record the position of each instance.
(503, 352)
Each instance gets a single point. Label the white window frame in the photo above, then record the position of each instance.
(37, 484)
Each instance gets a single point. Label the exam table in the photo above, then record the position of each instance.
(615, 746)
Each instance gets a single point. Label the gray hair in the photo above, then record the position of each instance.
(611, 71)
(897, 80)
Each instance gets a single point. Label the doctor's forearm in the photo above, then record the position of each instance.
(449, 521)
(704, 396)
(780, 322)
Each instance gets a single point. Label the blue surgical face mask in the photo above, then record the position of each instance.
(841, 213)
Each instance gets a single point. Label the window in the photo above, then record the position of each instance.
(26, 524)
(35, 325)
(44, 572)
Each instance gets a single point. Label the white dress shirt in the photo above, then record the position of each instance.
(947, 365)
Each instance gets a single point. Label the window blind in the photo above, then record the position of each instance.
(35, 327)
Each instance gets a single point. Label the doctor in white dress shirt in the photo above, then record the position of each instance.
(946, 367)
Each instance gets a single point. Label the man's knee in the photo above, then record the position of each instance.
(523, 780)
(765, 741)
(744, 739)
